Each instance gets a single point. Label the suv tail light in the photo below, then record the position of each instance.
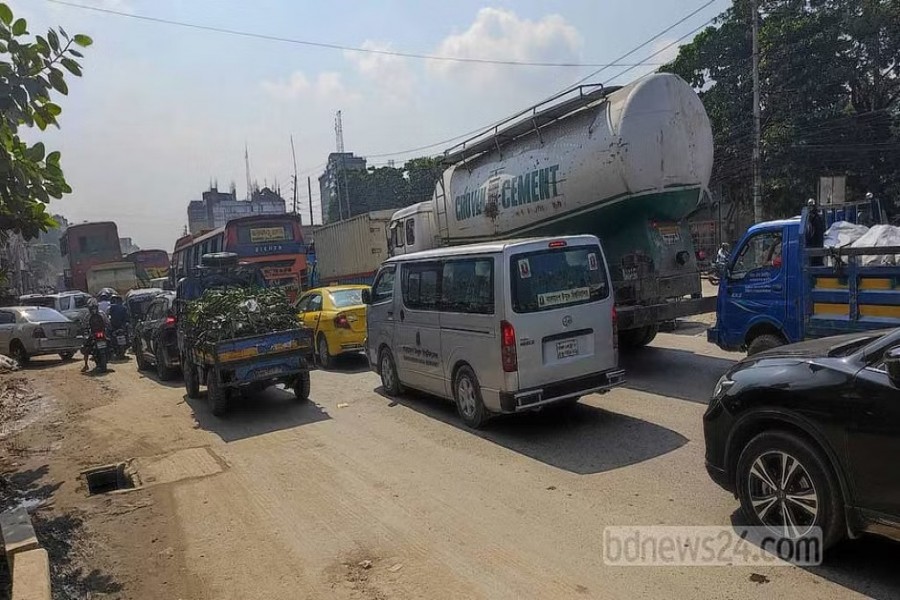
(38, 333)
(341, 321)
(615, 327)
(508, 347)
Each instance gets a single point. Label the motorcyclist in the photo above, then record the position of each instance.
(103, 301)
(118, 314)
(93, 323)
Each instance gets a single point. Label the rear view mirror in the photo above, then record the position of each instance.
(366, 297)
(892, 364)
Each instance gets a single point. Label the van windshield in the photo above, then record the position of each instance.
(557, 277)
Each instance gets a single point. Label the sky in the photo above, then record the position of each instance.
(162, 111)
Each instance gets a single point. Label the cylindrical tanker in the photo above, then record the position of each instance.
(627, 165)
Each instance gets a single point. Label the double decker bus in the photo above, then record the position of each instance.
(149, 265)
(272, 242)
(85, 245)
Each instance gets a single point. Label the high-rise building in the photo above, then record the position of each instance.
(217, 208)
(331, 186)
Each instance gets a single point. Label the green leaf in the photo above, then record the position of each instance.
(53, 39)
(52, 109)
(36, 152)
(63, 32)
(58, 83)
(53, 158)
(39, 121)
(5, 14)
(83, 40)
(71, 66)
(75, 52)
(19, 27)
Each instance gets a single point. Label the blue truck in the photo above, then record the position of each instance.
(775, 289)
(250, 363)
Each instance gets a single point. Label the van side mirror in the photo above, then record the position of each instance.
(366, 297)
(892, 364)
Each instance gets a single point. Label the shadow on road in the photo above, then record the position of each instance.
(581, 439)
(674, 373)
(150, 374)
(257, 413)
(350, 364)
(38, 363)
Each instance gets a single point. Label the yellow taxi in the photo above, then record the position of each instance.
(337, 316)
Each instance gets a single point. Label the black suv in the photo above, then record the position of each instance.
(155, 339)
(809, 435)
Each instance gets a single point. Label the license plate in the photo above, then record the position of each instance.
(121, 340)
(60, 332)
(101, 345)
(566, 348)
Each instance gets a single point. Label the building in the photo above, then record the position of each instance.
(329, 181)
(217, 208)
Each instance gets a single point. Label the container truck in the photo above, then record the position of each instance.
(627, 164)
(351, 251)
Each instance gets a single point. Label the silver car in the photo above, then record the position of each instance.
(27, 331)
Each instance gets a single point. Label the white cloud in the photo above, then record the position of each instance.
(501, 34)
(390, 74)
(327, 87)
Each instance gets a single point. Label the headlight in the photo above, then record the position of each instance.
(722, 387)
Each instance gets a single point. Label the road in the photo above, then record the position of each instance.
(355, 495)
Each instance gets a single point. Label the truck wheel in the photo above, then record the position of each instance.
(631, 339)
(764, 342)
(389, 379)
(191, 380)
(467, 393)
(163, 371)
(786, 485)
(217, 395)
(302, 386)
(326, 361)
(142, 364)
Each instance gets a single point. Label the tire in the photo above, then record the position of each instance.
(18, 353)
(467, 393)
(66, 355)
(302, 386)
(812, 478)
(326, 360)
(191, 379)
(217, 395)
(764, 342)
(388, 370)
(632, 339)
(101, 359)
(164, 372)
(142, 363)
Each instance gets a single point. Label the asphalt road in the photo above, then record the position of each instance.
(355, 495)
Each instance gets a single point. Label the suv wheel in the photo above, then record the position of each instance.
(142, 364)
(163, 371)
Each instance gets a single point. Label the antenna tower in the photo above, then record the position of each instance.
(339, 132)
(247, 166)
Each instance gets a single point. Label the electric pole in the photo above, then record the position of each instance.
(757, 133)
(309, 191)
(294, 155)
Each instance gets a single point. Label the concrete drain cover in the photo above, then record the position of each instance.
(108, 478)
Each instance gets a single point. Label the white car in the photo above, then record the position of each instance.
(27, 331)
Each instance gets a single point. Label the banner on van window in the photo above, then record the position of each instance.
(564, 297)
(267, 234)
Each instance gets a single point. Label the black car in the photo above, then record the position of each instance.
(809, 435)
(155, 340)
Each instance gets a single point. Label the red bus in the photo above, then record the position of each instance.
(87, 244)
(274, 242)
(149, 264)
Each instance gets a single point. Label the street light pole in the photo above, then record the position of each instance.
(757, 134)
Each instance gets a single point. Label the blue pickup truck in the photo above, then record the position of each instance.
(775, 290)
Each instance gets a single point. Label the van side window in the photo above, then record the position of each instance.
(384, 286)
(410, 232)
(420, 285)
(467, 286)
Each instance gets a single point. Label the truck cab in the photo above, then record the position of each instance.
(776, 290)
(412, 229)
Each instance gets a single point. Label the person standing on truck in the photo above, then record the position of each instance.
(815, 231)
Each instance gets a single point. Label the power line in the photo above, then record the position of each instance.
(330, 46)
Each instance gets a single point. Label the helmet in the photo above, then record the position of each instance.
(92, 305)
(810, 202)
(116, 299)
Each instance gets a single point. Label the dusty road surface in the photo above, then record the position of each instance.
(355, 495)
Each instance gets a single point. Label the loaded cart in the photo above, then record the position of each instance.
(234, 335)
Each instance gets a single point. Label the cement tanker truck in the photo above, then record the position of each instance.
(627, 164)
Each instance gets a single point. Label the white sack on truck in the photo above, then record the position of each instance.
(879, 235)
(843, 233)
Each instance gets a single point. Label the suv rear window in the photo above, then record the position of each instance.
(557, 277)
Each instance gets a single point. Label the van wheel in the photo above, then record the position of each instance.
(467, 393)
(389, 379)
(764, 342)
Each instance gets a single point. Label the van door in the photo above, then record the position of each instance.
(380, 315)
(755, 287)
(561, 306)
(419, 361)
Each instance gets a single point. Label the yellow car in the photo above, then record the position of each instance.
(337, 316)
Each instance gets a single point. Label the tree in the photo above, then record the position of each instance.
(31, 71)
(830, 96)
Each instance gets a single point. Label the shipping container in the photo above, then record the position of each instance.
(351, 251)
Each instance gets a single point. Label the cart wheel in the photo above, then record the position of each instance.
(217, 395)
(301, 387)
(191, 381)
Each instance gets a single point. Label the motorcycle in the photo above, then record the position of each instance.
(119, 343)
(98, 349)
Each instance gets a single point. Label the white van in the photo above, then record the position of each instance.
(499, 327)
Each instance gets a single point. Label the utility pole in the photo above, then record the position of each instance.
(309, 191)
(757, 133)
(294, 155)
